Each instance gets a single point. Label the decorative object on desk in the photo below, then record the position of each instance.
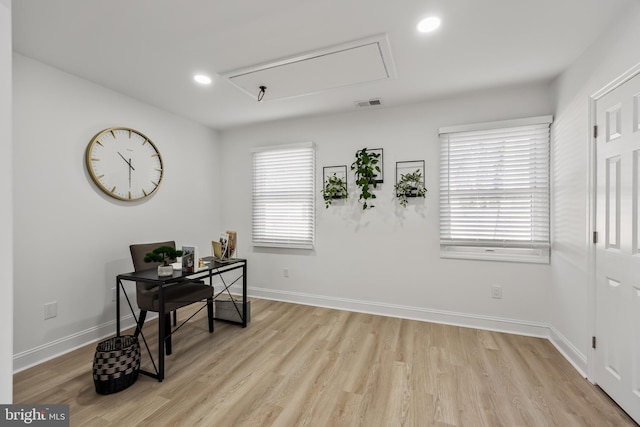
(411, 182)
(124, 164)
(189, 257)
(163, 254)
(368, 171)
(334, 184)
(233, 240)
(216, 249)
(224, 245)
(116, 364)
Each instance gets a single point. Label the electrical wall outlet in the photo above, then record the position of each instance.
(113, 294)
(285, 272)
(50, 310)
(496, 292)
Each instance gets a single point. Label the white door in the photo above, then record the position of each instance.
(617, 353)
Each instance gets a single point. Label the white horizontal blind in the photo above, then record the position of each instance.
(494, 187)
(283, 196)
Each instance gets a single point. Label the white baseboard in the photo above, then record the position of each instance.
(569, 351)
(490, 323)
(51, 350)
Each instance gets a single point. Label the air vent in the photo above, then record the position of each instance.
(370, 103)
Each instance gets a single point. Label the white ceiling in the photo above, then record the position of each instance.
(150, 49)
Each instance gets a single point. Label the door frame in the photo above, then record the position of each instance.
(592, 206)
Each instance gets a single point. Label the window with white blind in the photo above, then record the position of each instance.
(283, 196)
(494, 191)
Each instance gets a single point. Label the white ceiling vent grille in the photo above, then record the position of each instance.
(370, 103)
(351, 63)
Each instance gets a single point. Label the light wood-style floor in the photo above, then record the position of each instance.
(297, 365)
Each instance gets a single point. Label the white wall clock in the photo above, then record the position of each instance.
(124, 163)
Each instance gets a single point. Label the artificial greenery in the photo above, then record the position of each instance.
(162, 254)
(366, 170)
(410, 185)
(335, 187)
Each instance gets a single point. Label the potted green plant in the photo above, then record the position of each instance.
(163, 254)
(410, 185)
(366, 169)
(335, 187)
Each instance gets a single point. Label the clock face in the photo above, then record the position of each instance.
(124, 164)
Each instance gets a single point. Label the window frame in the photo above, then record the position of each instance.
(301, 191)
(500, 249)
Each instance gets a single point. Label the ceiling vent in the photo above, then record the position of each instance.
(370, 103)
(351, 63)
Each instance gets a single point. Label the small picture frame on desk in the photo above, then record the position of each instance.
(224, 242)
(232, 243)
(189, 258)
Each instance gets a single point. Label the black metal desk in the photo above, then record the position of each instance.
(213, 268)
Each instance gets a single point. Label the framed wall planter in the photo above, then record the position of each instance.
(334, 183)
(369, 173)
(409, 181)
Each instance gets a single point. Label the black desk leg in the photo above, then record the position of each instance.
(210, 302)
(118, 284)
(244, 295)
(161, 332)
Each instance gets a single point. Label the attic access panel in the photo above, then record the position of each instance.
(352, 63)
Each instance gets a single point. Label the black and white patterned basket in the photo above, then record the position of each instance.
(116, 364)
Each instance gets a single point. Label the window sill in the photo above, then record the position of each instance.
(485, 253)
(283, 245)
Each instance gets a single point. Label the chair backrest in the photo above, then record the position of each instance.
(140, 250)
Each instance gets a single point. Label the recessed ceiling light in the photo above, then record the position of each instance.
(202, 79)
(428, 24)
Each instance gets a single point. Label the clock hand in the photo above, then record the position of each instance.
(127, 162)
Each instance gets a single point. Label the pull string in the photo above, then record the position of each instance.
(263, 89)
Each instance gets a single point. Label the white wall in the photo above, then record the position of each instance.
(6, 208)
(70, 239)
(571, 296)
(387, 260)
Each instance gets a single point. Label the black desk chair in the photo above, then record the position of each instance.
(175, 296)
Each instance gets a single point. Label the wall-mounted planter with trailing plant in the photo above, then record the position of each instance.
(368, 174)
(409, 181)
(334, 185)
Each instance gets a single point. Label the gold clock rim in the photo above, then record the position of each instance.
(95, 179)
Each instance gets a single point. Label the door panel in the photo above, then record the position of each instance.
(612, 232)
